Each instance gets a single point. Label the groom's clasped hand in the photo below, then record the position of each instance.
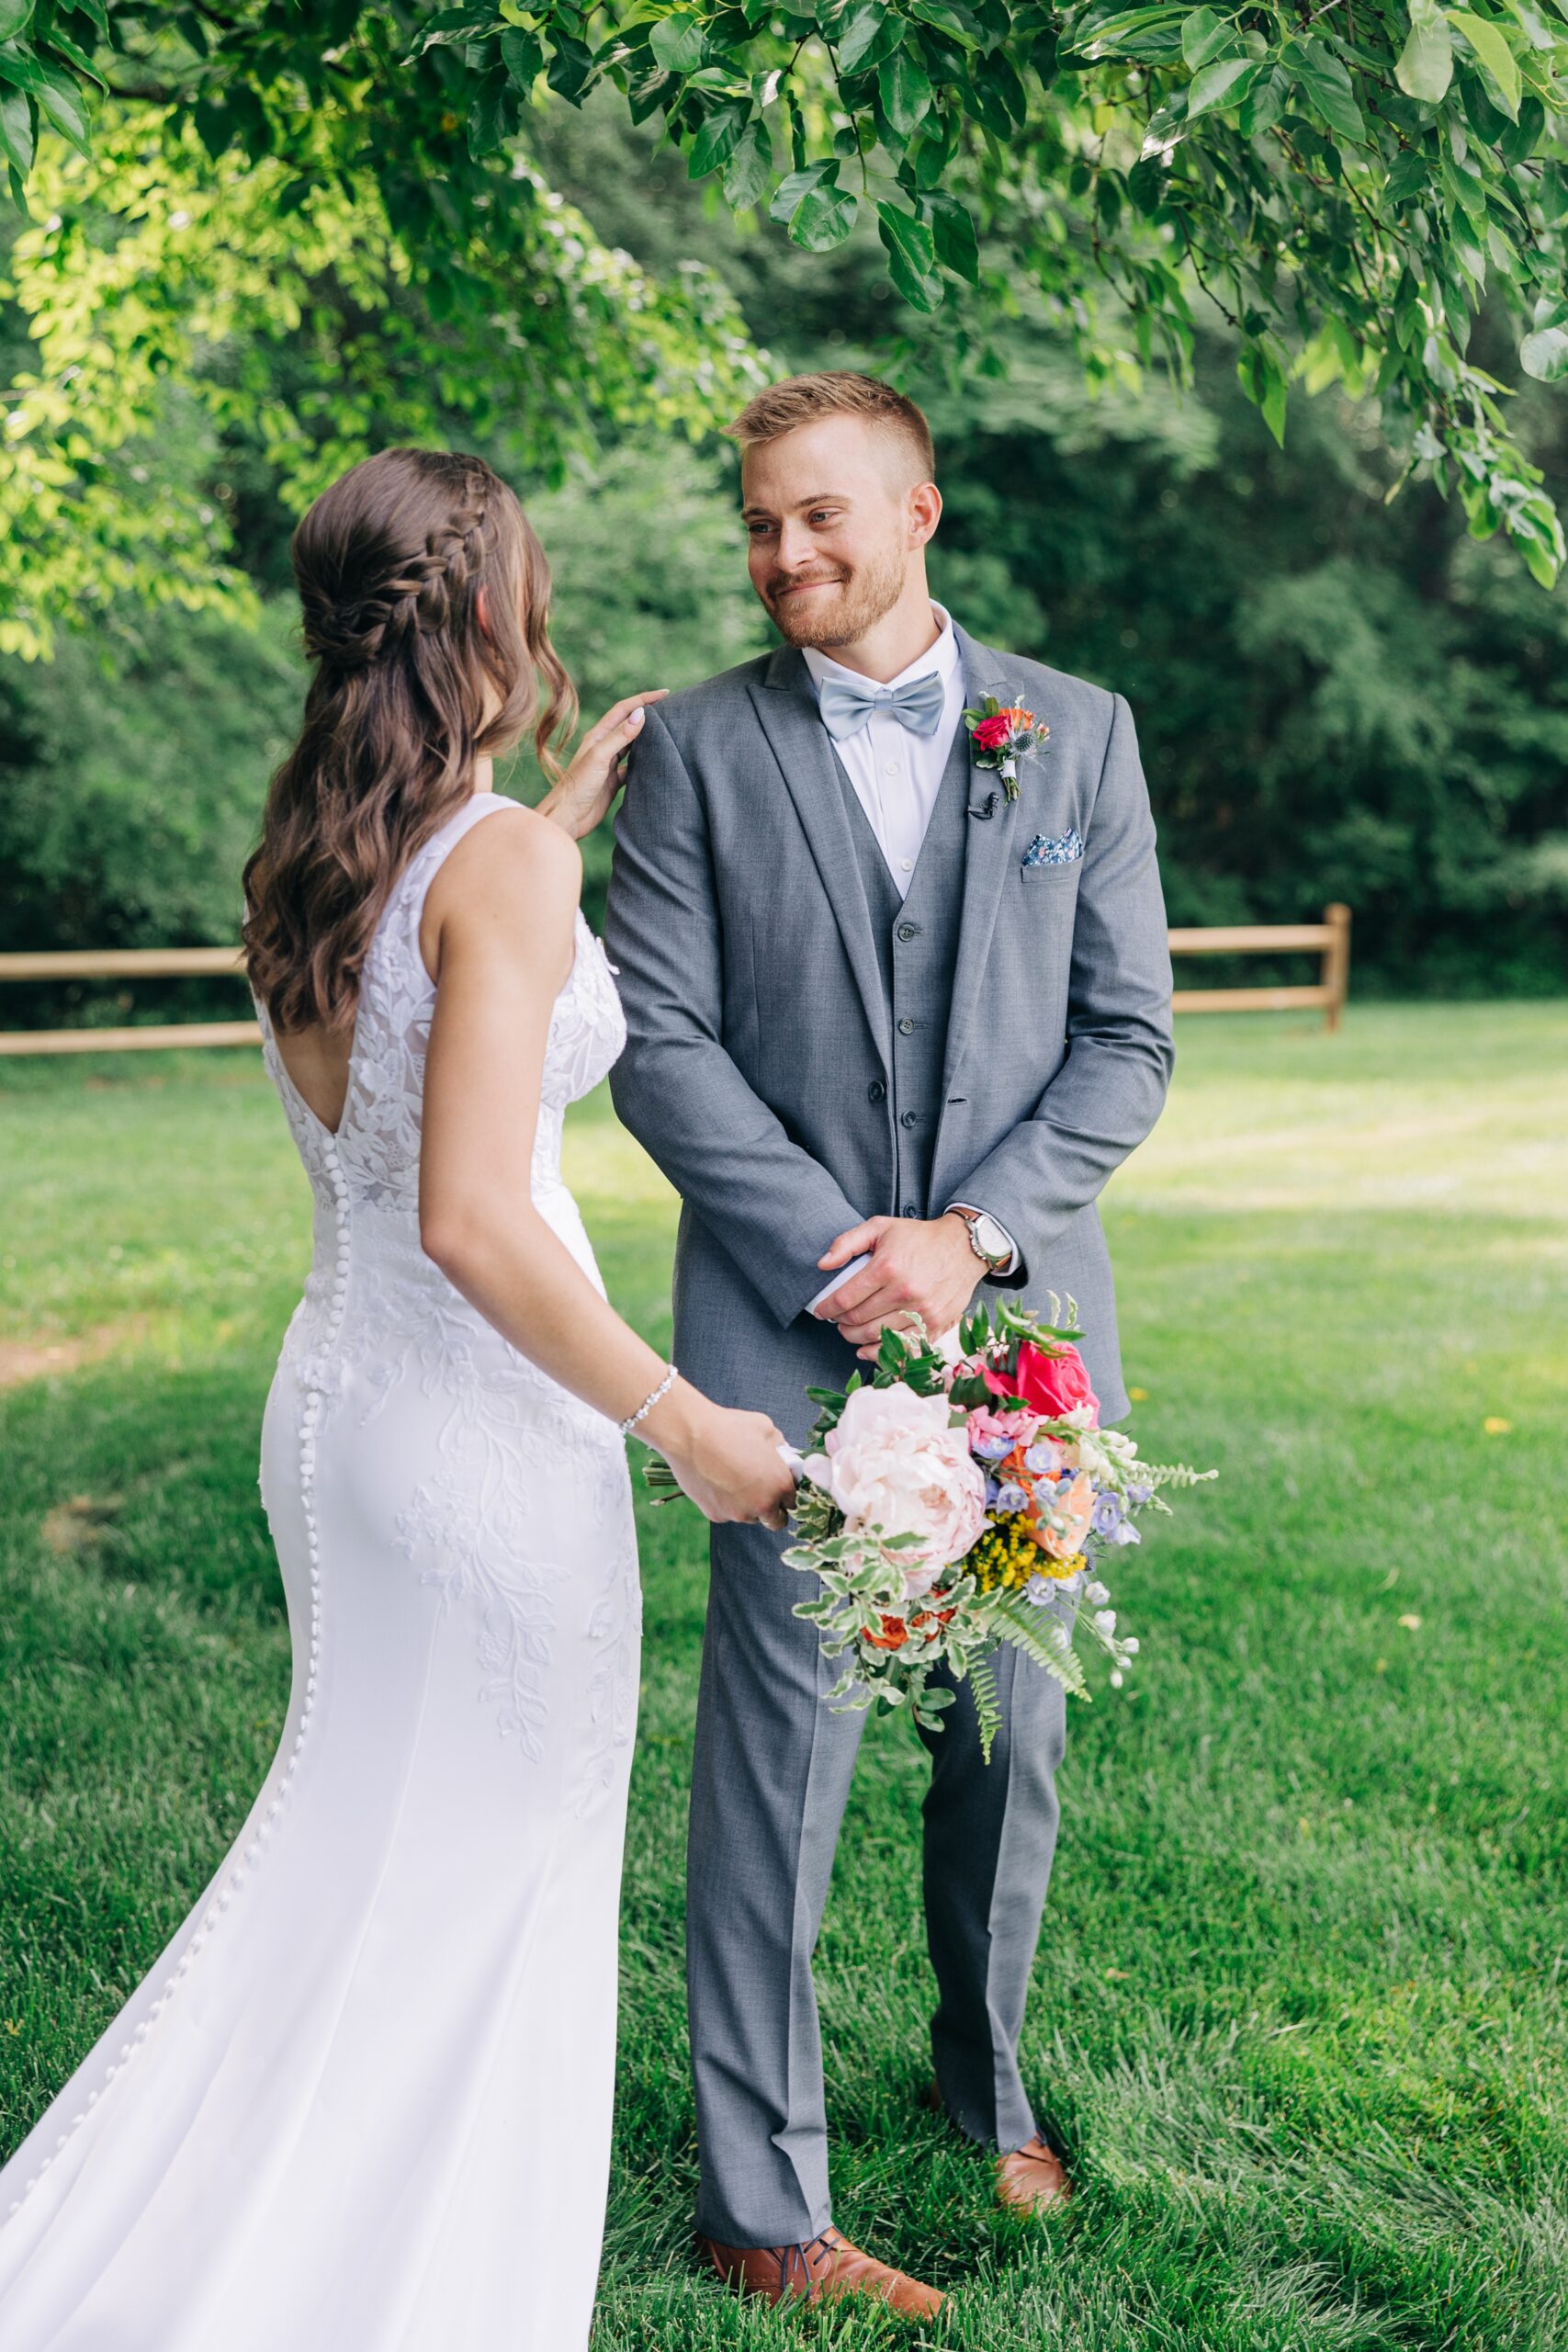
(914, 1268)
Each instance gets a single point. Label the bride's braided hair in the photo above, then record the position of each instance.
(418, 674)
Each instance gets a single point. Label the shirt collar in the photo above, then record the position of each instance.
(941, 657)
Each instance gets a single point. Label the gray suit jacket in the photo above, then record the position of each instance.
(758, 1026)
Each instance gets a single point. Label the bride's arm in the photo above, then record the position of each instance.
(498, 937)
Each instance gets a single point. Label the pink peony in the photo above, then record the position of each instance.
(893, 1464)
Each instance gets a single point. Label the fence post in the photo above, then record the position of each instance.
(1337, 963)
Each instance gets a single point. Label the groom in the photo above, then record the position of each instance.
(890, 1032)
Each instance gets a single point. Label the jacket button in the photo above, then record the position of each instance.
(910, 1119)
(905, 1027)
(875, 1091)
(910, 1210)
(909, 930)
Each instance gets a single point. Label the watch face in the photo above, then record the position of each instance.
(990, 1237)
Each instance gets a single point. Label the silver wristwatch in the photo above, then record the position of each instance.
(986, 1240)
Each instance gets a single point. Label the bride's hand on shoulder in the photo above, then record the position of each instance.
(726, 1461)
(581, 800)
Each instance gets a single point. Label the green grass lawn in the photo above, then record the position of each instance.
(1298, 2015)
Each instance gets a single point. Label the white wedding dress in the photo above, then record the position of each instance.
(362, 2103)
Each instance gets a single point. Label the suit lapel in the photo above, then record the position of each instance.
(988, 854)
(787, 708)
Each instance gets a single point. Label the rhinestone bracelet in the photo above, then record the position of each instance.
(665, 1385)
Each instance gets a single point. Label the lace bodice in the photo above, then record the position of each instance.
(378, 1136)
(365, 1176)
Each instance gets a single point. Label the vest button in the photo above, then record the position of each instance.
(875, 1091)
(905, 1027)
(909, 930)
(908, 1119)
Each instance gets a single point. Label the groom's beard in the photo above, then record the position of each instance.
(837, 615)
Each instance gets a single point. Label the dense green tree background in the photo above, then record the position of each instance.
(1336, 697)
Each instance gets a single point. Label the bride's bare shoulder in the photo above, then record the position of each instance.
(517, 867)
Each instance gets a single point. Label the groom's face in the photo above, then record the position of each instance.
(827, 510)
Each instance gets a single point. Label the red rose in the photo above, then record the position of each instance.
(1055, 1384)
(992, 733)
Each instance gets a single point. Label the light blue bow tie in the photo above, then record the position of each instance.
(846, 704)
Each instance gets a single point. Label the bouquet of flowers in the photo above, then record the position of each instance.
(947, 1505)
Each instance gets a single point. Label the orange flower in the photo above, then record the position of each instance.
(1072, 1507)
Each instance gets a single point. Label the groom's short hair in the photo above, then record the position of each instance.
(836, 391)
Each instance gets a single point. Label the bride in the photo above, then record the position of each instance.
(362, 2103)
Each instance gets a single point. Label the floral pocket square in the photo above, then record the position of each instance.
(1064, 849)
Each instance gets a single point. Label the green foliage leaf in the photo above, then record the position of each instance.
(58, 99)
(1205, 36)
(1425, 64)
(750, 167)
(911, 254)
(905, 90)
(63, 45)
(14, 16)
(1263, 381)
(1491, 47)
(1322, 75)
(823, 218)
(1263, 103)
(952, 233)
(17, 130)
(1224, 84)
(994, 96)
(488, 122)
(869, 34)
(678, 41)
(949, 17)
(523, 54)
(717, 138)
(456, 28)
(570, 68)
(1544, 351)
(791, 191)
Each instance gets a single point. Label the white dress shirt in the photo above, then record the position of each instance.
(896, 776)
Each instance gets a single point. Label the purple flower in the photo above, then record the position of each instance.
(1044, 1456)
(1107, 1514)
(1138, 1496)
(1011, 1496)
(990, 1449)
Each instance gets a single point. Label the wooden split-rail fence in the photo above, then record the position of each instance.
(1329, 940)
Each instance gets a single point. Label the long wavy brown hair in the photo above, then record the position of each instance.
(416, 677)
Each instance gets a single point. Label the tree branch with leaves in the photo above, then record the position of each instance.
(1345, 183)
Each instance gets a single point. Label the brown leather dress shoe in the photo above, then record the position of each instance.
(819, 2271)
(1031, 2178)
(1028, 2178)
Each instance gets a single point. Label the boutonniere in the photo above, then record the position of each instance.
(999, 735)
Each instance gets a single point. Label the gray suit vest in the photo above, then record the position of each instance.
(917, 952)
